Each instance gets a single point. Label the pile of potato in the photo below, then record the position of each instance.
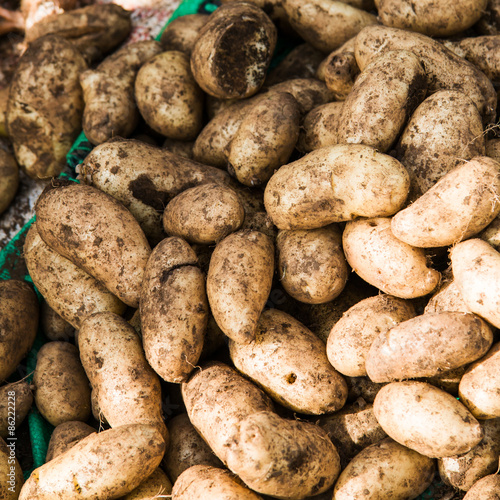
(279, 266)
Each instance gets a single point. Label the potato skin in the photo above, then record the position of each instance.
(65, 436)
(239, 281)
(426, 419)
(18, 324)
(104, 465)
(487, 488)
(9, 179)
(45, 106)
(447, 298)
(156, 484)
(406, 473)
(335, 184)
(104, 238)
(15, 480)
(23, 398)
(53, 325)
(181, 33)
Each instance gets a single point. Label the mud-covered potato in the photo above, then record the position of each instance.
(53, 325)
(108, 464)
(311, 263)
(20, 395)
(204, 214)
(487, 488)
(45, 107)
(156, 485)
(426, 419)
(9, 179)
(65, 436)
(11, 474)
(351, 337)
(233, 50)
(181, 33)
(168, 97)
(18, 324)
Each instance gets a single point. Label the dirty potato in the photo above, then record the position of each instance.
(11, 474)
(181, 33)
(447, 298)
(65, 436)
(487, 488)
(19, 393)
(155, 486)
(53, 325)
(9, 179)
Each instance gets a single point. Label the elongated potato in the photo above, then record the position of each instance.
(428, 345)
(9, 179)
(20, 394)
(104, 465)
(382, 260)
(174, 310)
(335, 184)
(239, 281)
(385, 470)
(426, 419)
(65, 436)
(154, 486)
(98, 234)
(487, 488)
(11, 474)
(351, 337)
(181, 33)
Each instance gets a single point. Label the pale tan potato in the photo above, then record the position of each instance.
(168, 96)
(202, 482)
(426, 419)
(204, 214)
(62, 390)
(65, 436)
(181, 33)
(156, 485)
(102, 237)
(174, 310)
(382, 99)
(351, 337)
(68, 289)
(289, 362)
(18, 396)
(382, 260)
(11, 474)
(335, 184)
(239, 281)
(492, 233)
(428, 345)
(105, 465)
(53, 325)
(458, 206)
(9, 179)
(311, 264)
(233, 51)
(385, 470)
(18, 324)
(487, 488)
(447, 298)
(128, 390)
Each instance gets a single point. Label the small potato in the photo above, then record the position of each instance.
(426, 419)
(18, 324)
(9, 179)
(487, 488)
(11, 474)
(428, 345)
(154, 486)
(335, 184)
(351, 337)
(447, 298)
(239, 281)
(20, 394)
(289, 362)
(53, 325)
(204, 214)
(202, 482)
(385, 470)
(181, 33)
(65, 436)
(108, 464)
(382, 260)
(311, 263)
(168, 97)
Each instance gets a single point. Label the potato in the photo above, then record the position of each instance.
(492, 233)
(239, 282)
(128, 390)
(181, 33)
(174, 310)
(108, 92)
(447, 298)
(492, 147)
(180, 148)
(53, 326)
(62, 391)
(73, 293)
(311, 263)
(458, 206)
(383, 97)
(289, 362)
(202, 482)
(9, 179)
(335, 184)
(97, 233)
(463, 471)
(168, 97)
(385, 470)
(426, 419)
(382, 260)
(428, 345)
(448, 380)
(156, 484)
(144, 178)
(186, 448)
(45, 106)
(351, 337)
(486, 488)
(4, 100)
(444, 18)
(444, 131)
(326, 24)
(444, 69)
(233, 50)
(11, 474)
(65, 436)
(18, 324)
(104, 465)
(18, 393)
(204, 214)
(476, 268)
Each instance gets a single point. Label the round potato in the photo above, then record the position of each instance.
(155, 486)
(487, 488)
(11, 474)
(181, 33)
(53, 325)
(19, 393)
(9, 179)
(65, 436)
